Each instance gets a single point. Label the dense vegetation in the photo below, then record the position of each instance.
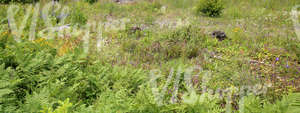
(60, 75)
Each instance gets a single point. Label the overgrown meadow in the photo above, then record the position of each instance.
(149, 56)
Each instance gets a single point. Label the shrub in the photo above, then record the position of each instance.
(210, 8)
(18, 1)
(91, 1)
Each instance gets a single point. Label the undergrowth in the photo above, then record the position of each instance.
(58, 76)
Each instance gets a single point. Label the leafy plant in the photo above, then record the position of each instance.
(288, 104)
(62, 108)
(18, 1)
(204, 103)
(212, 8)
(91, 1)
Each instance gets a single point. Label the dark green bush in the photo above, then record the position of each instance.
(210, 8)
(17, 1)
(91, 1)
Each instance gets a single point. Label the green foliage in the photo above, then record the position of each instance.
(40, 78)
(288, 104)
(18, 1)
(181, 42)
(204, 103)
(62, 108)
(91, 1)
(156, 5)
(36, 78)
(77, 16)
(251, 104)
(212, 8)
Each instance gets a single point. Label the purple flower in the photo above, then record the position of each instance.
(287, 66)
(277, 58)
(170, 91)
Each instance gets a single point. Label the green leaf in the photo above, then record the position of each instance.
(5, 92)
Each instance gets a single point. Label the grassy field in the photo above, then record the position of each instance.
(149, 56)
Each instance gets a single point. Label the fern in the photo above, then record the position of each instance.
(8, 100)
(288, 104)
(204, 103)
(294, 105)
(63, 108)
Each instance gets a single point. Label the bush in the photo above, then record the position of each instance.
(91, 1)
(18, 1)
(210, 8)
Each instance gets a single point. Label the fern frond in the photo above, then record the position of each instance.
(4, 92)
(294, 106)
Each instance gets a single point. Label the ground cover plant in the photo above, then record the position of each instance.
(149, 56)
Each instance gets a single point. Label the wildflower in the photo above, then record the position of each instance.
(277, 59)
(236, 29)
(4, 33)
(170, 91)
(287, 66)
(39, 40)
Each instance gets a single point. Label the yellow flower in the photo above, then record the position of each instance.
(236, 29)
(4, 33)
(39, 40)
